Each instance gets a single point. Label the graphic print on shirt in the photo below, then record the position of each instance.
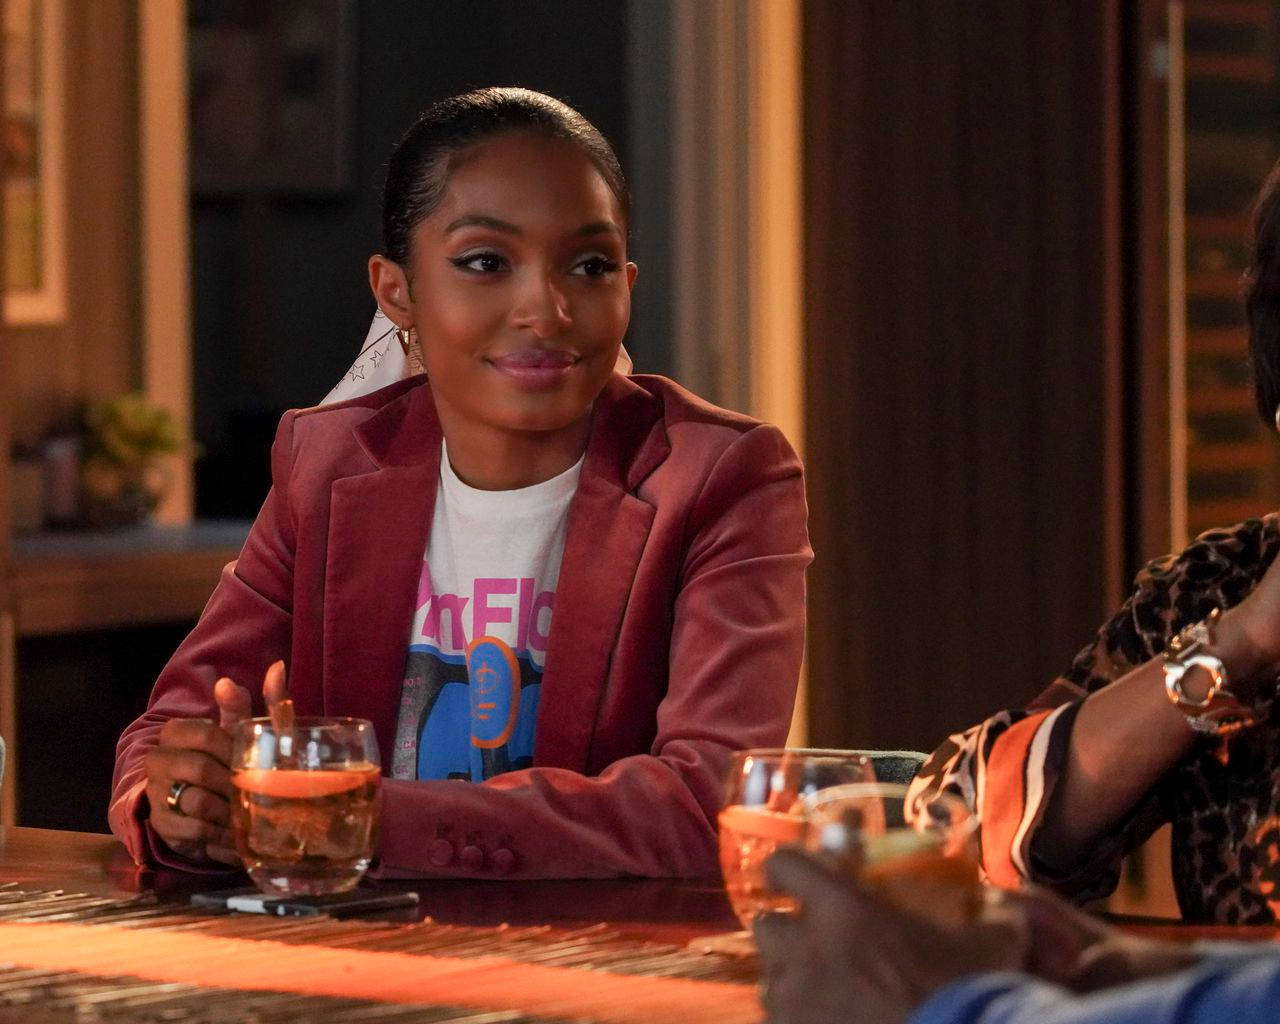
(473, 695)
(495, 695)
(481, 625)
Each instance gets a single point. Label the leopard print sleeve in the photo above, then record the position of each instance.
(1006, 767)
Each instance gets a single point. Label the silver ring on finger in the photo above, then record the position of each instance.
(174, 797)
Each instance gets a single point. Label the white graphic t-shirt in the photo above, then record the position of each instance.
(479, 639)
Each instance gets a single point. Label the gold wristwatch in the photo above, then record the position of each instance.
(1220, 711)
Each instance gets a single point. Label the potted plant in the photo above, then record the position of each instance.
(121, 475)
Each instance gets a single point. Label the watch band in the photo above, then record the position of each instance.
(1220, 711)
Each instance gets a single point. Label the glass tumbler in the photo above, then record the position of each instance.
(926, 861)
(305, 814)
(764, 807)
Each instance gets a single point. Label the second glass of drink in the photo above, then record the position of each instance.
(924, 858)
(764, 808)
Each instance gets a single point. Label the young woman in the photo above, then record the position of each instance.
(563, 596)
(1142, 729)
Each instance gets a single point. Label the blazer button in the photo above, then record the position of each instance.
(472, 858)
(502, 861)
(440, 853)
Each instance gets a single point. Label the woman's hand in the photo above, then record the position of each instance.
(197, 752)
(848, 954)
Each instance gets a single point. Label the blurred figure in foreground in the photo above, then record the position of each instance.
(850, 955)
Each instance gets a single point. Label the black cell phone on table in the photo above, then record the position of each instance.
(336, 904)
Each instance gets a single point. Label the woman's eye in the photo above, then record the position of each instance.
(596, 266)
(481, 262)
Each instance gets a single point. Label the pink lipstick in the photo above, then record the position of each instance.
(535, 369)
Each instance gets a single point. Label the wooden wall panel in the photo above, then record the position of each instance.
(1146, 233)
(962, 351)
(95, 353)
(6, 377)
(7, 636)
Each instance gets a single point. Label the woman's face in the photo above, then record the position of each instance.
(519, 287)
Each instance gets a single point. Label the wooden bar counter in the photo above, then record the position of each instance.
(87, 935)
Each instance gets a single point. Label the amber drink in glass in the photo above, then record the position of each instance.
(924, 858)
(764, 808)
(305, 812)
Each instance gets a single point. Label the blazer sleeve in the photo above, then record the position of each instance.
(736, 643)
(1008, 766)
(246, 625)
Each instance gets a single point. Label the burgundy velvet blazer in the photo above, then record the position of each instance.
(676, 638)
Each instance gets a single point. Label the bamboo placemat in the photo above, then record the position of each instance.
(80, 957)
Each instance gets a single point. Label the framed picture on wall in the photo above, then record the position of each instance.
(34, 201)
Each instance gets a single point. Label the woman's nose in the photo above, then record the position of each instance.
(543, 307)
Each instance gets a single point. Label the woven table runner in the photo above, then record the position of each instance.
(135, 960)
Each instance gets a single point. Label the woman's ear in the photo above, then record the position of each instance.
(632, 270)
(390, 290)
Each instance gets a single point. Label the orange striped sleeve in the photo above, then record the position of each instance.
(1004, 799)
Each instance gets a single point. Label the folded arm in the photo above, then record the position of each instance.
(1068, 784)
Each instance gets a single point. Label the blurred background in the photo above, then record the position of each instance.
(980, 261)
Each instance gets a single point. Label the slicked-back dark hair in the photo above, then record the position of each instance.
(1262, 299)
(419, 168)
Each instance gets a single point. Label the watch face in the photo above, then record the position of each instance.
(1175, 670)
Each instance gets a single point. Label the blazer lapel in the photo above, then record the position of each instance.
(607, 531)
(382, 519)
(379, 525)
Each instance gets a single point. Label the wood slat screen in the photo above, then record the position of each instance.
(963, 355)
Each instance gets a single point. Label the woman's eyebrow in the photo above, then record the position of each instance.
(480, 220)
(597, 227)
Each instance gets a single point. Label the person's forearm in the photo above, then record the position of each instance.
(638, 817)
(1125, 737)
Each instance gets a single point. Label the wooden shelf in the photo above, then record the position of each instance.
(1209, 515)
(78, 581)
(1230, 12)
(1210, 401)
(1215, 284)
(1218, 341)
(1228, 55)
(1252, 455)
(1218, 227)
(1242, 68)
